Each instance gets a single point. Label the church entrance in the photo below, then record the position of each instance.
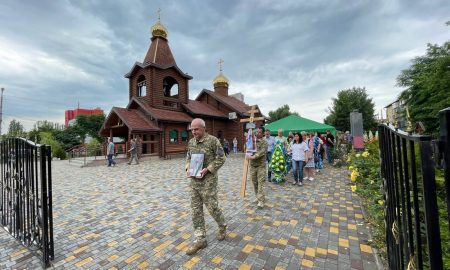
(149, 144)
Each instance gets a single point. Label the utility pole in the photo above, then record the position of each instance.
(1, 111)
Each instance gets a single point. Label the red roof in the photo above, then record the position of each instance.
(134, 120)
(197, 107)
(231, 102)
(164, 115)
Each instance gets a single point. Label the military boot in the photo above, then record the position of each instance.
(196, 246)
(222, 233)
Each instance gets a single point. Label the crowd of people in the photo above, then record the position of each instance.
(303, 152)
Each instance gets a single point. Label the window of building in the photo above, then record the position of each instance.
(173, 136)
(142, 86)
(184, 136)
(170, 87)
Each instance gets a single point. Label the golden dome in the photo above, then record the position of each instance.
(159, 30)
(221, 80)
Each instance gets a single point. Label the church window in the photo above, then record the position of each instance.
(142, 86)
(184, 136)
(170, 87)
(173, 136)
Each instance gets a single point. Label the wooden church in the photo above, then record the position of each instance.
(159, 111)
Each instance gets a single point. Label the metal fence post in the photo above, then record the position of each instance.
(444, 125)
(431, 207)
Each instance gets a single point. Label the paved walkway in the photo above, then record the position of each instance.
(138, 217)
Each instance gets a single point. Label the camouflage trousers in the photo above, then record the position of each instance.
(258, 175)
(204, 194)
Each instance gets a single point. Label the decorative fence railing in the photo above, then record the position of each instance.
(26, 195)
(413, 231)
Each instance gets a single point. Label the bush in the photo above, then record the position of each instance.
(57, 150)
(94, 147)
(366, 182)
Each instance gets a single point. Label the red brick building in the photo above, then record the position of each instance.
(72, 114)
(159, 110)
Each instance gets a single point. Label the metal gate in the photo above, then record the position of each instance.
(26, 195)
(411, 211)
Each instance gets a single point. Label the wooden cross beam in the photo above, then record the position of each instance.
(251, 119)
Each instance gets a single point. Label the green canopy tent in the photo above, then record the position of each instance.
(296, 123)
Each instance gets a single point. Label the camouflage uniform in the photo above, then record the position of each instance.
(258, 169)
(204, 191)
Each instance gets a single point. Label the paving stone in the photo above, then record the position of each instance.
(138, 217)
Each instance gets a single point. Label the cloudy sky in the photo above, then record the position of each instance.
(54, 54)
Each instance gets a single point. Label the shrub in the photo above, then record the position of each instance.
(57, 150)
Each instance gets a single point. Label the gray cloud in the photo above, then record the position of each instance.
(54, 54)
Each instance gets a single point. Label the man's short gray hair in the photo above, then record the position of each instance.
(201, 121)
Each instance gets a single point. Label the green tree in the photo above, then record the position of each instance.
(16, 129)
(428, 83)
(57, 150)
(347, 101)
(280, 113)
(44, 126)
(68, 138)
(89, 125)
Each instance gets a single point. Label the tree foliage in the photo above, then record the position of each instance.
(57, 150)
(89, 125)
(347, 101)
(280, 113)
(428, 83)
(16, 129)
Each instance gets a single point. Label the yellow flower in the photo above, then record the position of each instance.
(353, 188)
(357, 155)
(365, 154)
(381, 202)
(354, 175)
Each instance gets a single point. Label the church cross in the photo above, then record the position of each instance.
(251, 119)
(159, 14)
(220, 64)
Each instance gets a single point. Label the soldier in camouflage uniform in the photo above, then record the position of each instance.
(203, 189)
(258, 167)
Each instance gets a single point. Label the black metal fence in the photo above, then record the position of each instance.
(26, 195)
(413, 232)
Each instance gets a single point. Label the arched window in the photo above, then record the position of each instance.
(170, 87)
(173, 136)
(184, 136)
(141, 86)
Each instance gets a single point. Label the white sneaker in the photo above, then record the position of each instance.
(311, 179)
(305, 178)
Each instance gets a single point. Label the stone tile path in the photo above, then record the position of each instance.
(138, 217)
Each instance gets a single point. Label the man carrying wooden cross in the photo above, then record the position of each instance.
(258, 167)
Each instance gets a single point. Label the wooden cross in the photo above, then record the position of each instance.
(246, 162)
(220, 64)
